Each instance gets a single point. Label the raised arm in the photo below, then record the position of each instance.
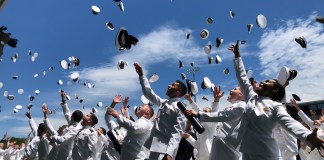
(192, 103)
(111, 124)
(138, 127)
(241, 76)
(32, 123)
(47, 121)
(301, 114)
(146, 88)
(65, 107)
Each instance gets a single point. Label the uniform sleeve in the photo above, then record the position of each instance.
(192, 141)
(138, 127)
(215, 106)
(92, 145)
(60, 139)
(292, 126)
(50, 127)
(195, 107)
(223, 116)
(111, 124)
(33, 126)
(148, 92)
(242, 79)
(306, 119)
(176, 135)
(102, 140)
(66, 112)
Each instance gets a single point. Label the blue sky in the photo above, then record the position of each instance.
(57, 30)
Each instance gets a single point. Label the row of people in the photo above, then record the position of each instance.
(244, 130)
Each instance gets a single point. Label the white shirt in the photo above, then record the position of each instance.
(137, 133)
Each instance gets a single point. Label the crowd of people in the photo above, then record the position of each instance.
(256, 125)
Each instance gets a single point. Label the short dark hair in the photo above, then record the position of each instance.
(77, 115)
(104, 131)
(278, 96)
(42, 128)
(94, 119)
(151, 111)
(182, 87)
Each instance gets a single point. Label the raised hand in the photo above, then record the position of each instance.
(188, 98)
(217, 93)
(125, 101)
(190, 113)
(28, 115)
(316, 142)
(138, 69)
(235, 49)
(294, 104)
(117, 99)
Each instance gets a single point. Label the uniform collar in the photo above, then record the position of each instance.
(174, 99)
(86, 127)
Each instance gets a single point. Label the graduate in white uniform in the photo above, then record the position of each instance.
(86, 139)
(204, 141)
(230, 117)
(262, 115)
(66, 140)
(137, 132)
(167, 131)
(287, 142)
(33, 149)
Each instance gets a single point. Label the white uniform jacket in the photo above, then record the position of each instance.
(169, 125)
(137, 134)
(85, 144)
(261, 116)
(204, 140)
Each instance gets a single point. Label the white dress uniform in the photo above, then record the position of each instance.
(66, 140)
(168, 127)
(1, 153)
(204, 141)
(230, 118)
(100, 145)
(20, 153)
(137, 134)
(261, 116)
(108, 151)
(85, 144)
(32, 147)
(9, 154)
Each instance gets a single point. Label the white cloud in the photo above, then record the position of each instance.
(278, 48)
(160, 45)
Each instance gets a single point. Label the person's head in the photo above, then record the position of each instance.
(16, 146)
(144, 110)
(207, 110)
(235, 95)
(22, 145)
(61, 128)
(176, 89)
(1, 145)
(272, 89)
(76, 116)
(101, 130)
(89, 120)
(41, 129)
